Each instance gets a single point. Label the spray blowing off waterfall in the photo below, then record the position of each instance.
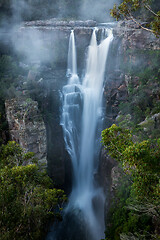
(81, 118)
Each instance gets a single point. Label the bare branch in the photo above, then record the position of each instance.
(140, 25)
(148, 7)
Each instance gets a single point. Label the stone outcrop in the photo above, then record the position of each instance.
(151, 123)
(27, 127)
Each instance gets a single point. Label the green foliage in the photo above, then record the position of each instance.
(140, 161)
(118, 212)
(27, 197)
(133, 216)
(129, 9)
(121, 218)
(115, 139)
(155, 24)
(125, 121)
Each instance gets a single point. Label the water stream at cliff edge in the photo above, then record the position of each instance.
(81, 120)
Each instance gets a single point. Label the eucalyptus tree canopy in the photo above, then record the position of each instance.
(138, 11)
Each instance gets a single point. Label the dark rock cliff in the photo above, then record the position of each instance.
(27, 126)
(44, 49)
(131, 52)
(44, 45)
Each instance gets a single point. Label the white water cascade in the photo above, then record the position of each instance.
(81, 116)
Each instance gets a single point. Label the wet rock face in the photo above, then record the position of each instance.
(27, 127)
(57, 159)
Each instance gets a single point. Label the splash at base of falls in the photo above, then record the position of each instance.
(76, 225)
(81, 120)
(73, 227)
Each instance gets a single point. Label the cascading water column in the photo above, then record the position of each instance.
(82, 104)
(71, 111)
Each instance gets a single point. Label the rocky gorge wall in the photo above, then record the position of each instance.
(27, 127)
(137, 51)
(44, 47)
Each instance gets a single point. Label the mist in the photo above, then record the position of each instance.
(26, 10)
(30, 44)
(97, 10)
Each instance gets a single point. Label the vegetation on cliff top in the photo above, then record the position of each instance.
(140, 10)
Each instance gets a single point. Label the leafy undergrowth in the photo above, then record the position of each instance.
(28, 200)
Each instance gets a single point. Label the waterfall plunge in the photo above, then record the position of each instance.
(81, 115)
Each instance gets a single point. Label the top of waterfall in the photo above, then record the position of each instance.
(54, 22)
(108, 24)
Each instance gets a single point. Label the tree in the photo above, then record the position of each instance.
(141, 162)
(130, 10)
(28, 201)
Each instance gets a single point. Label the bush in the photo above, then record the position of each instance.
(27, 197)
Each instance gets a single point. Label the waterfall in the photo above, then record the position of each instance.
(72, 56)
(81, 116)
